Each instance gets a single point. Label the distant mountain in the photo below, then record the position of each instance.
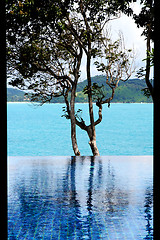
(129, 91)
(15, 95)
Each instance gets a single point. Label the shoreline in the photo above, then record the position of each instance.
(86, 103)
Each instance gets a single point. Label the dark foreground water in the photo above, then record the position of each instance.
(80, 198)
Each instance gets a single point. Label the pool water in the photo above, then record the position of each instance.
(109, 197)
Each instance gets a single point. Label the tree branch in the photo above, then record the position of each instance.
(81, 124)
(63, 77)
(75, 34)
(99, 113)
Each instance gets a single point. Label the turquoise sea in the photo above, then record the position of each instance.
(33, 130)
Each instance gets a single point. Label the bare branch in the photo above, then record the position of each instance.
(99, 113)
(75, 34)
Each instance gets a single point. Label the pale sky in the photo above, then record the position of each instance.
(132, 38)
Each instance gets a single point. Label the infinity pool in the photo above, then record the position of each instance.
(107, 198)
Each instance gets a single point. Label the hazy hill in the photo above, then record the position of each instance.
(129, 91)
(15, 95)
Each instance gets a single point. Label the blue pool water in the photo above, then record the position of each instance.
(93, 198)
(126, 129)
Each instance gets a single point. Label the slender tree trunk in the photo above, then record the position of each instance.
(148, 62)
(91, 130)
(92, 141)
(72, 104)
(73, 122)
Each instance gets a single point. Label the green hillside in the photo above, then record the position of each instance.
(15, 95)
(129, 91)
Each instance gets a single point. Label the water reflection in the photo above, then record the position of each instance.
(84, 198)
(148, 213)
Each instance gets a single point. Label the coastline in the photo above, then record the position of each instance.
(85, 102)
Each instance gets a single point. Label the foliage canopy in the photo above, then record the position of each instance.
(46, 40)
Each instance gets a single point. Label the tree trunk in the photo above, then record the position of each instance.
(94, 147)
(73, 122)
(92, 141)
(72, 104)
(148, 62)
(91, 130)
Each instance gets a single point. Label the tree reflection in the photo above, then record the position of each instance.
(115, 197)
(100, 198)
(148, 215)
(71, 206)
(71, 202)
(90, 186)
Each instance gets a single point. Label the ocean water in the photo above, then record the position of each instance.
(126, 129)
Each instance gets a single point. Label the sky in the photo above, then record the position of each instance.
(132, 38)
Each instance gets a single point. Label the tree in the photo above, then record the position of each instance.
(145, 19)
(46, 42)
(117, 65)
